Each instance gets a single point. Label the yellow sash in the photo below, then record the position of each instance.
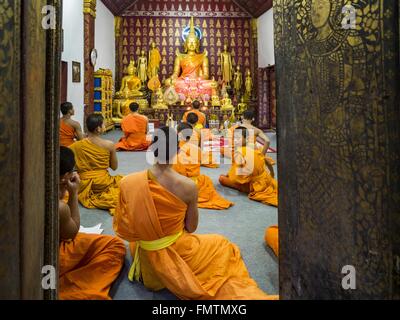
(135, 272)
(93, 174)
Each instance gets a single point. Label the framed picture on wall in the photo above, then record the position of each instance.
(76, 71)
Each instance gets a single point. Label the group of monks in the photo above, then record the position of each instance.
(156, 211)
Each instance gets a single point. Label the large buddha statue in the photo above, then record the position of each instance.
(191, 69)
(129, 92)
(131, 84)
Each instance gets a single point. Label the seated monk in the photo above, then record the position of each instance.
(89, 264)
(199, 136)
(188, 165)
(201, 122)
(135, 128)
(272, 239)
(94, 156)
(158, 214)
(248, 119)
(70, 130)
(248, 173)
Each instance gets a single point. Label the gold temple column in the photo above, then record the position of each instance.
(118, 55)
(89, 16)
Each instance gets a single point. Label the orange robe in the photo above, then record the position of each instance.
(188, 166)
(197, 267)
(272, 239)
(89, 265)
(67, 134)
(134, 127)
(98, 189)
(229, 149)
(201, 115)
(250, 176)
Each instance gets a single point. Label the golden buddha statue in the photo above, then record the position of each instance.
(191, 69)
(215, 102)
(226, 66)
(242, 106)
(238, 81)
(142, 67)
(226, 103)
(130, 92)
(131, 84)
(154, 61)
(249, 85)
(159, 100)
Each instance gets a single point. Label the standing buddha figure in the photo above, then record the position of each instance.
(238, 82)
(249, 84)
(154, 61)
(226, 66)
(142, 67)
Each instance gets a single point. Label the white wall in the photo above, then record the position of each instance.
(266, 50)
(73, 51)
(105, 38)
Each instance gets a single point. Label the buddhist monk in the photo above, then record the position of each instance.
(200, 136)
(88, 264)
(248, 173)
(135, 128)
(247, 122)
(94, 156)
(272, 239)
(188, 165)
(158, 214)
(196, 109)
(70, 130)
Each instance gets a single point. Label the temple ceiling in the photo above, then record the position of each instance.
(254, 8)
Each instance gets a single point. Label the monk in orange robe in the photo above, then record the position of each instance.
(196, 110)
(272, 239)
(188, 165)
(135, 128)
(89, 264)
(199, 137)
(248, 119)
(70, 130)
(158, 214)
(94, 156)
(248, 173)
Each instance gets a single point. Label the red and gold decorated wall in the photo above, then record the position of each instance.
(267, 98)
(163, 21)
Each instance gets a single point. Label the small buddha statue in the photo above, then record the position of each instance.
(238, 81)
(142, 67)
(160, 103)
(131, 84)
(249, 84)
(242, 106)
(226, 103)
(215, 102)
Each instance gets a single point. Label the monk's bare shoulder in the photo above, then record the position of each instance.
(75, 124)
(187, 187)
(109, 145)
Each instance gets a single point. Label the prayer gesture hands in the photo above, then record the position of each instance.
(73, 184)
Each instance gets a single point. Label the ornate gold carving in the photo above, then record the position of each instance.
(89, 7)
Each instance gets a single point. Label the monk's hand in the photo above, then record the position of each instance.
(73, 184)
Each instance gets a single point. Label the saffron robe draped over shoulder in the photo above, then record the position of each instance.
(194, 267)
(188, 165)
(98, 188)
(134, 127)
(251, 176)
(67, 134)
(201, 115)
(89, 265)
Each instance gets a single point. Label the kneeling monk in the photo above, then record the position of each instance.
(70, 130)
(94, 156)
(248, 119)
(158, 211)
(249, 174)
(135, 128)
(188, 165)
(89, 264)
